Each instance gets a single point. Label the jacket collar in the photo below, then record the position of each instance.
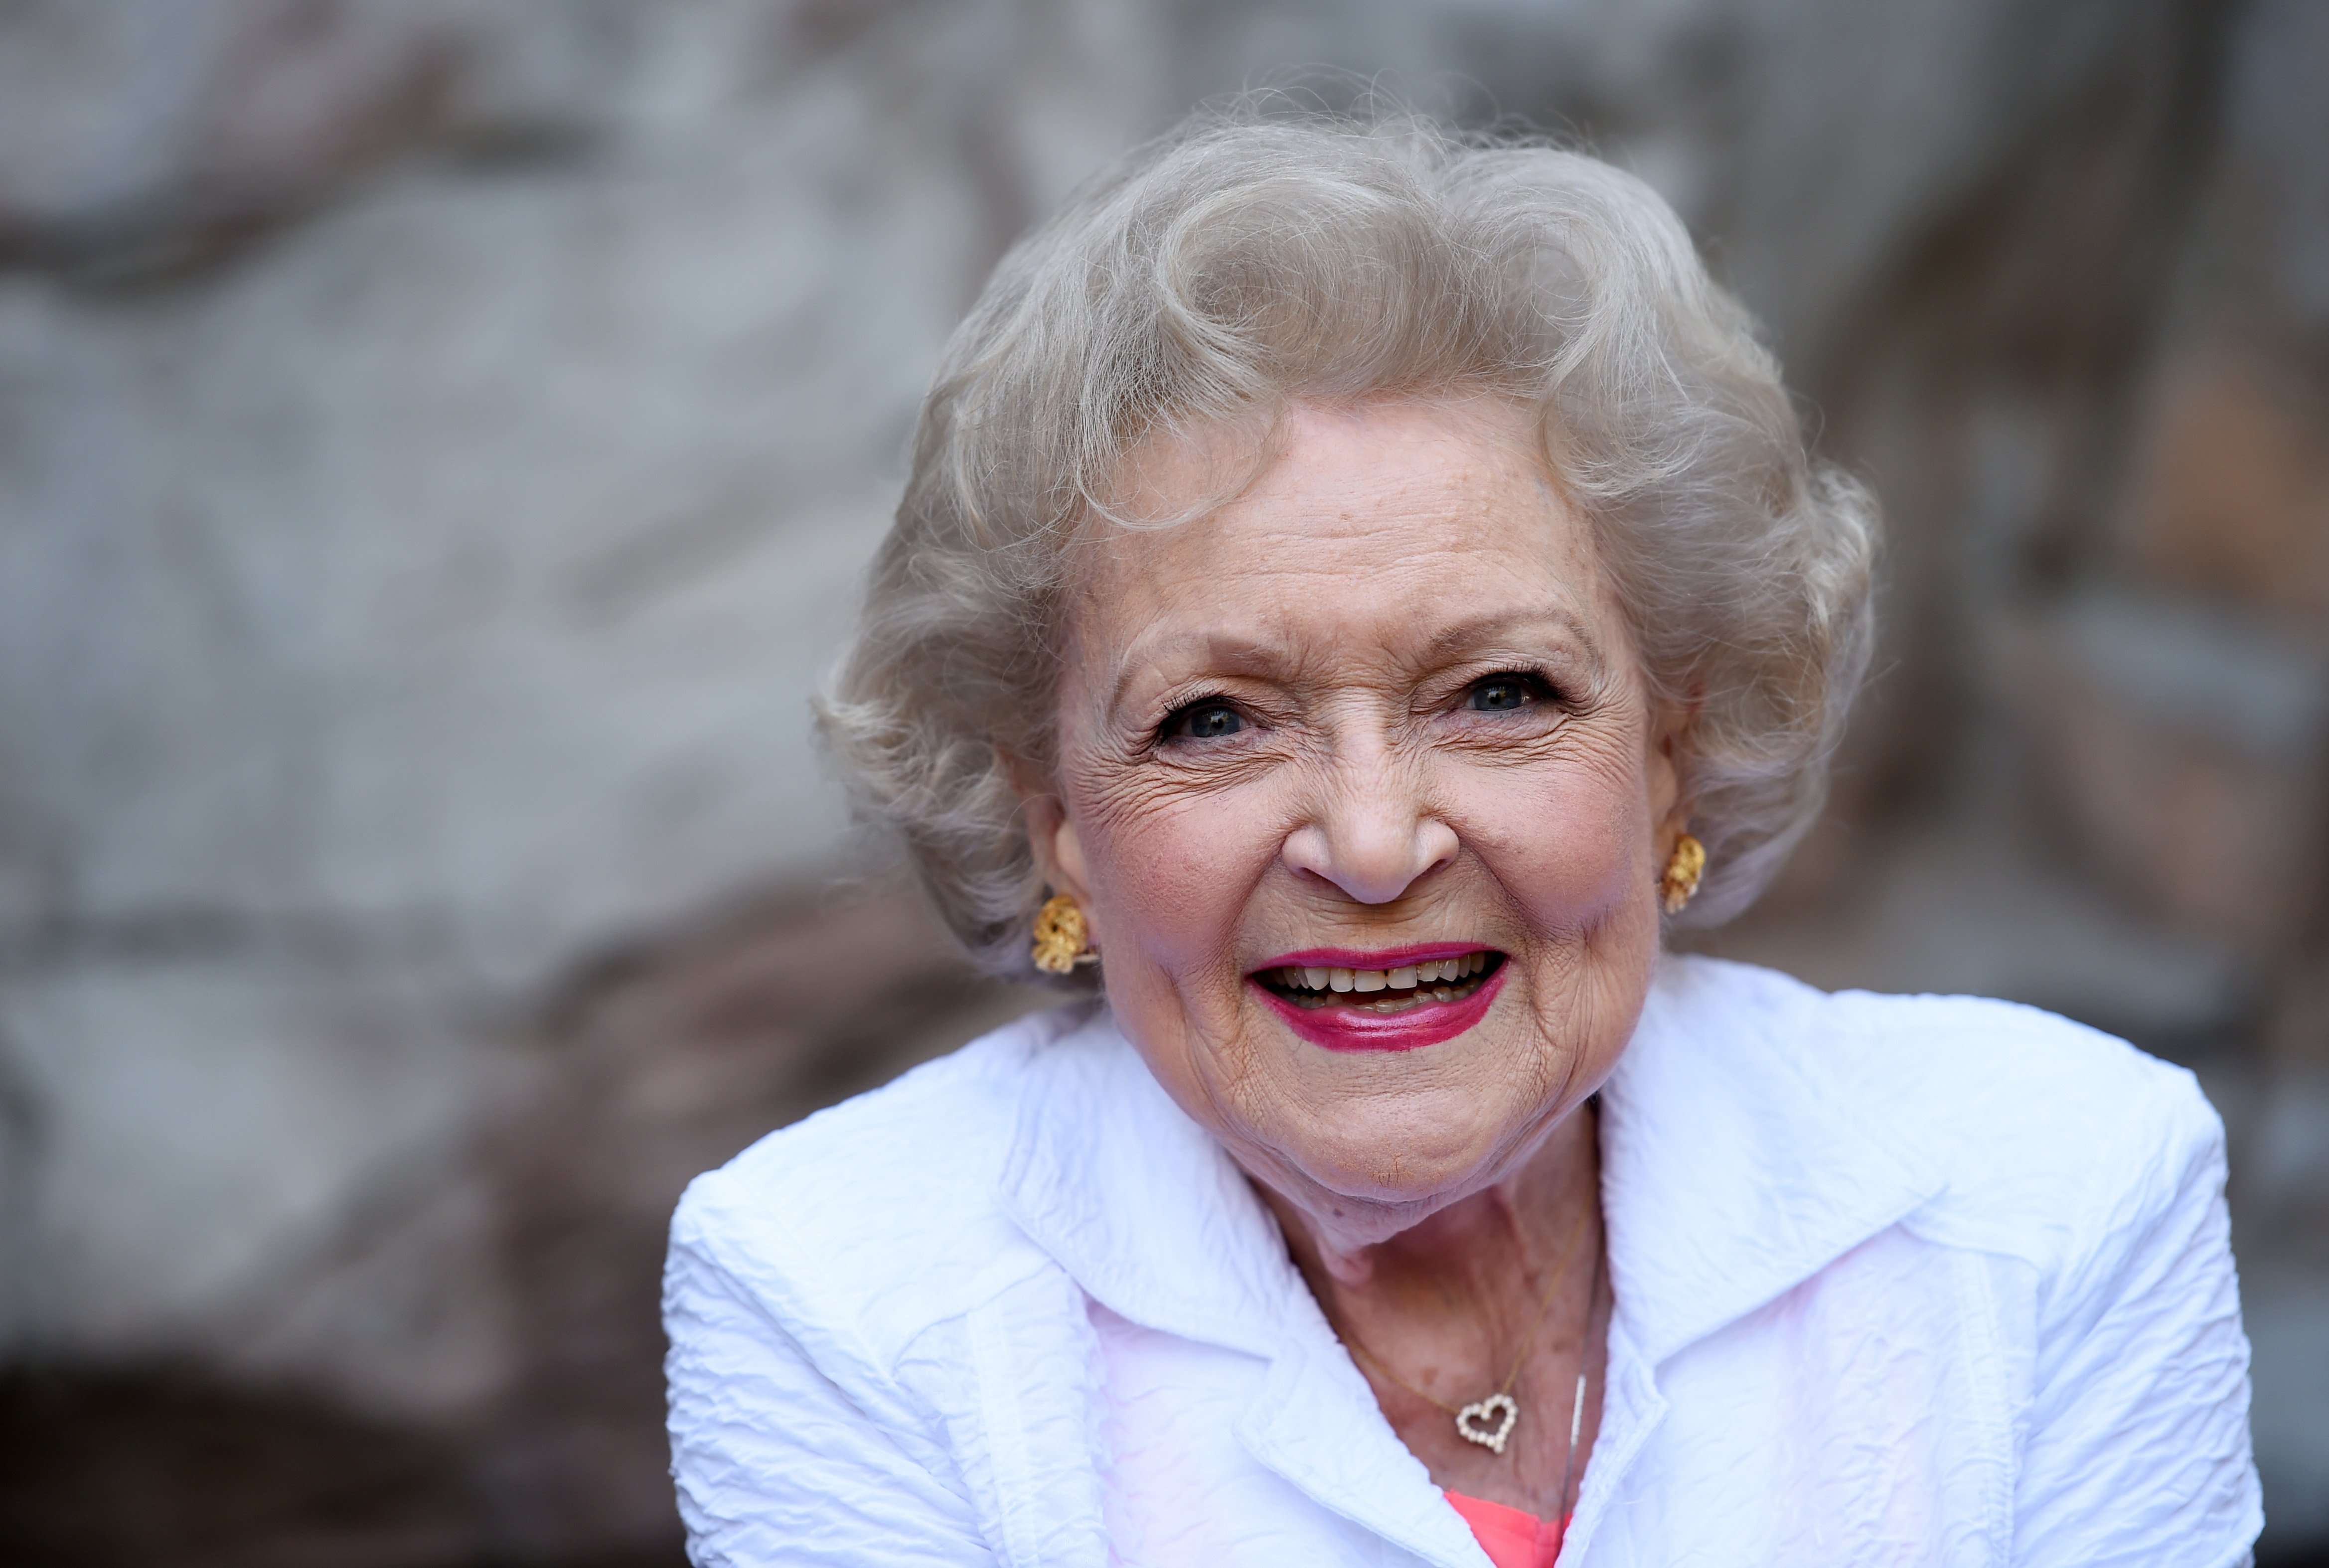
(1154, 1221)
(1141, 1206)
(1733, 1167)
(1732, 1170)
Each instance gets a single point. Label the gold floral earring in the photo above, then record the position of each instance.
(1683, 868)
(1061, 941)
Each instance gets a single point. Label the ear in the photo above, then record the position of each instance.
(1050, 832)
(1669, 750)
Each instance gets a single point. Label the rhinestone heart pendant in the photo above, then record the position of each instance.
(1473, 1421)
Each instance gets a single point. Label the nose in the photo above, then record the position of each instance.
(1374, 842)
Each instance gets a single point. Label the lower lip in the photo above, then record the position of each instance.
(1347, 1028)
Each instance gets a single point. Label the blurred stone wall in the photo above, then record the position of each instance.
(437, 442)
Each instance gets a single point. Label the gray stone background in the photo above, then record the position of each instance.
(438, 439)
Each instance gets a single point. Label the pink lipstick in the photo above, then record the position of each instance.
(1385, 999)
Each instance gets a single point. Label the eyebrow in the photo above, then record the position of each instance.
(1494, 628)
(1230, 652)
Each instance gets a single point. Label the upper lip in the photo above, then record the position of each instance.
(1381, 958)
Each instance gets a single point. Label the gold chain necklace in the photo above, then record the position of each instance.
(1472, 1421)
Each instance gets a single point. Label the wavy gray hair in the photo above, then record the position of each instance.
(1246, 260)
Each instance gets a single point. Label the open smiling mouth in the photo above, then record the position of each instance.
(1385, 991)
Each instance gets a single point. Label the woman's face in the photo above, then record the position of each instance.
(1361, 790)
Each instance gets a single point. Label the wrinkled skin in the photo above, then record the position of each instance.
(1382, 696)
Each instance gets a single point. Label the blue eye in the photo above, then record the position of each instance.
(1503, 694)
(1203, 722)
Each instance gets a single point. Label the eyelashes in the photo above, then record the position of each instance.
(1206, 718)
(1510, 691)
(1215, 717)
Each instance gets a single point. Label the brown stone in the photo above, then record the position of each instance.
(2185, 754)
(2231, 497)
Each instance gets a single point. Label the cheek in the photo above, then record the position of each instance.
(1173, 878)
(1568, 844)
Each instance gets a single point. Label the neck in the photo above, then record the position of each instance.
(1493, 1249)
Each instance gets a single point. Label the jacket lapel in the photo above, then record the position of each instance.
(1139, 1204)
(1148, 1214)
(1732, 1168)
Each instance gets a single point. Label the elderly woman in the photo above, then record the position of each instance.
(1356, 589)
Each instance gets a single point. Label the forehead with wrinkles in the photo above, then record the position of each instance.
(1386, 537)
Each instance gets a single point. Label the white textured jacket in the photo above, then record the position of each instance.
(1899, 1280)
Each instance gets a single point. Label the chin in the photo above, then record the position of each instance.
(1381, 1161)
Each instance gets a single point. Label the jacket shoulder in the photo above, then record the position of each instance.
(2052, 1137)
(879, 1214)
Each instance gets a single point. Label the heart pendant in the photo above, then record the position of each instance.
(1471, 1422)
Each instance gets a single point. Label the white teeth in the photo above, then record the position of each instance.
(1439, 972)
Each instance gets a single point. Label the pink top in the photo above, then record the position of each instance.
(1511, 1537)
